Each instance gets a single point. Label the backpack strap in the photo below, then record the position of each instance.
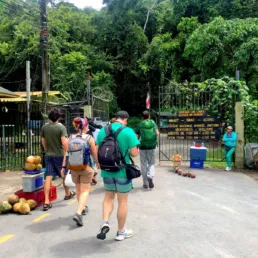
(87, 137)
(123, 158)
(119, 131)
(108, 130)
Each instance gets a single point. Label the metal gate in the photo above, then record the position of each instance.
(185, 118)
(18, 138)
(16, 132)
(100, 103)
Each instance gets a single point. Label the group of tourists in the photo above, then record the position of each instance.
(110, 150)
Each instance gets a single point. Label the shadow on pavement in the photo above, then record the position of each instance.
(98, 191)
(51, 225)
(137, 189)
(83, 247)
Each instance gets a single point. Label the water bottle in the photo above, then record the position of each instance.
(86, 156)
(87, 150)
(202, 144)
(194, 144)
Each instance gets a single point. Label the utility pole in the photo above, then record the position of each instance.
(88, 90)
(149, 90)
(28, 83)
(44, 56)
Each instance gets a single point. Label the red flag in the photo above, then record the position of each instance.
(148, 101)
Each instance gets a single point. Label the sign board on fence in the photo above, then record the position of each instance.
(192, 125)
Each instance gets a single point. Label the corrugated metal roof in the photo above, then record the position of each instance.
(13, 100)
(22, 100)
(7, 93)
(16, 100)
(36, 93)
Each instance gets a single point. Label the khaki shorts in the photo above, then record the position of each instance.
(84, 176)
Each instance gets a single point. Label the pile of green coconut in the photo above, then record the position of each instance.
(17, 205)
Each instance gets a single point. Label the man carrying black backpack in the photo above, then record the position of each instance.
(116, 143)
(148, 132)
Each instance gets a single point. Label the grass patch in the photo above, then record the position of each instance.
(16, 161)
(216, 158)
(217, 155)
(215, 164)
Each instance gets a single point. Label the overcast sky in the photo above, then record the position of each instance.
(97, 4)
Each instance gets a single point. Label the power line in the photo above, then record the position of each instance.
(30, 6)
(5, 3)
(14, 7)
(14, 65)
(148, 14)
(13, 82)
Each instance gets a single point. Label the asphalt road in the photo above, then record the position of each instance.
(214, 215)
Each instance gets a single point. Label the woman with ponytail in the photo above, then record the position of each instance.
(82, 178)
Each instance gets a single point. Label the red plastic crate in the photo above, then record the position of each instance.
(38, 196)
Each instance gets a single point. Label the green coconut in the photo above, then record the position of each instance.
(5, 207)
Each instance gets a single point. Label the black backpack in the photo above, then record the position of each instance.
(109, 156)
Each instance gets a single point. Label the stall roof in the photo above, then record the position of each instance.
(39, 94)
(15, 100)
(7, 93)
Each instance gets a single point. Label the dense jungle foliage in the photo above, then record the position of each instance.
(185, 41)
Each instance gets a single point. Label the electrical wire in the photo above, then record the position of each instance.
(11, 54)
(34, 77)
(148, 14)
(14, 65)
(13, 82)
(30, 6)
(15, 9)
(5, 3)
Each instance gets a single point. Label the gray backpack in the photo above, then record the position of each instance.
(79, 153)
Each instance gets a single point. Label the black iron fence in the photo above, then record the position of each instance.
(20, 138)
(185, 118)
(15, 132)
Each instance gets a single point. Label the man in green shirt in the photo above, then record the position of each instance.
(55, 145)
(117, 182)
(148, 133)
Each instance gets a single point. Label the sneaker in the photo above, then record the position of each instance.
(145, 186)
(78, 219)
(103, 231)
(151, 185)
(120, 236)
(85, 211)
(227, 169)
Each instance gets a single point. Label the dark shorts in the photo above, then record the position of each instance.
(120, 185)
(54, 166)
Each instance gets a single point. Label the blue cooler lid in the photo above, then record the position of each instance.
(32, 172)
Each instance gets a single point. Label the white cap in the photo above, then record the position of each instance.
(230, 127)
